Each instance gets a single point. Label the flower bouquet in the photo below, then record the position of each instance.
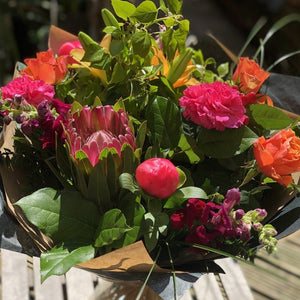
(137, 154)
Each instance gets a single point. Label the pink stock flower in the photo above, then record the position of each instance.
(53, 125)
(178, 219)
(33, 91)
(214, 105)
(94, 129)
(232, 198)
(158, 177)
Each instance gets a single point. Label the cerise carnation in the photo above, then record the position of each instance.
(214, 105)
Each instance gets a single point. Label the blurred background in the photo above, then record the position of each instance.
(24, 26)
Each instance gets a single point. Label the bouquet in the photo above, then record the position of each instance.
(139, 143)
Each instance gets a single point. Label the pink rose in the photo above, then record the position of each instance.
(214, 105)
(158, 177)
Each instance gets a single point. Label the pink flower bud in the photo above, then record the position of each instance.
(158, 177)
(68, 46)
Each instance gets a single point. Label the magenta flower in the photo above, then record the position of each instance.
(178, 219)
(158, 177)
(214, 105)
(33, 91)
(94, 129)
(52, 125)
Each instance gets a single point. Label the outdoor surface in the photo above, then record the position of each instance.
(280, 279)
(283, 280)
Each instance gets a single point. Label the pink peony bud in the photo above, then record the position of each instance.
(158, 177)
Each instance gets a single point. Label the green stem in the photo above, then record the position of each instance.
(173, 271)
(64, 183)
(138, 297)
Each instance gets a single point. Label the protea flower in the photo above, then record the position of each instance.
(94, 129)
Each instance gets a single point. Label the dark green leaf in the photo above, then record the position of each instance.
(64, 216)
(141, 43)
(123, 9)
(134, 213)
(118, 74)
(116, 47)
(154, 225)
(112, 227)
(98, 189)
(269, 117)
(227, 143)
(141, 134)
(164, 122)
(59, 260)
(146, 12)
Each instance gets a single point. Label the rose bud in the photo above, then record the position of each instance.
(158, 177)
(66, 48)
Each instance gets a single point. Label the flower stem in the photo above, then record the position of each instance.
(173, 271)
(138, 297)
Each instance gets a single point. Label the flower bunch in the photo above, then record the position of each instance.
(148, 141)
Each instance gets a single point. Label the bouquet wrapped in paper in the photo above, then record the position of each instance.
(137, 151)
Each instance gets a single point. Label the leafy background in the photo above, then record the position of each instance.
(24, 26)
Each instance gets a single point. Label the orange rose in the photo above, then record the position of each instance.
(279, 156)
(47, 67)
(249, 76)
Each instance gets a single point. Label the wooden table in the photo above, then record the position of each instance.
(20, 280)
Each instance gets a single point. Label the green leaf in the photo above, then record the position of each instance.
(127, 182)
(154, 225)
(141, 43)
(189, 192)
(60, 259)
(94, 53)
(169, 44)
(179, 65)
(269, 117)
(181, 34)
(190, 148)
(118, 74)
(116, 47)
(63, 216)
(277, 26)
(282, 58)
(123, 9)
(227, 143)
(98, 190)
(141, 134)
(164, 122)
(112, 227)
(109, 19)
(146, 12)
(223, 69)
(134, 213)
(182, 177)
(174, 6)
